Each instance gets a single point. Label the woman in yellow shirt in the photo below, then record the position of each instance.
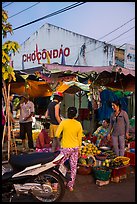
(71, 132)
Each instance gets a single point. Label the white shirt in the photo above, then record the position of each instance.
(25, 110)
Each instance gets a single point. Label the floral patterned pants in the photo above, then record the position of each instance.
(72, 155)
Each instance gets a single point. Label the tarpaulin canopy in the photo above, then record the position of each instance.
(73, 87)
(60, 77)
(110, 76)
(33, 88)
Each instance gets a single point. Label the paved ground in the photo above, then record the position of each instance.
(87, 191)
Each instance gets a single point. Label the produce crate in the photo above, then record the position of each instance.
(119, 173)
(132, 158)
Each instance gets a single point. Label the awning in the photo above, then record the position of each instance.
(34, 88)
(54, 68)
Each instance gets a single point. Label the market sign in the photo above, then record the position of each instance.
(129, 61)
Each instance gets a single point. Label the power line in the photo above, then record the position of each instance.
(52, 14)
(122, 34)
(116, 29)
(24, 10)
(110, 40)
(110, 33)
(128, 37)
(8, 4)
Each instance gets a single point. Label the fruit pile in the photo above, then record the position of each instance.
(115, 164)
(106, 162)
(88, 149)
(88, 161)
(123, 160)
(110, 154)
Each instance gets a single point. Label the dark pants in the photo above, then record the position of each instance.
(26, 128)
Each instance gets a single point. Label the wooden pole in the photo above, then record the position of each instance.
(4, 92)
(13, 144)
(92, 115)
(9, 123)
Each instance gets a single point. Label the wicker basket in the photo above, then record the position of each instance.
(86, 169)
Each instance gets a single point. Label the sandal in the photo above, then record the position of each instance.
(24, 149)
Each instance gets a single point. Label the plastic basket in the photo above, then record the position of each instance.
(125, 160)
(102, 173)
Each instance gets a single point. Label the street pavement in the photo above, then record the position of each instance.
(86, 190)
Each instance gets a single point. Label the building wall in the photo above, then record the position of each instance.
(50, 37)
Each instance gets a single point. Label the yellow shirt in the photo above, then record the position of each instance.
(72, 133)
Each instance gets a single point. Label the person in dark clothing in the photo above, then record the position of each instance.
(53, 113)
(43, 141)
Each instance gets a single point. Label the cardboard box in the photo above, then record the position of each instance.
(102, 183)
(117, 179)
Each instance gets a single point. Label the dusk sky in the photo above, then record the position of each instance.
(91, 19)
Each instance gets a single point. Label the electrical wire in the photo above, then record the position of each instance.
(52, 14)
(111, 40)
(72, 6)
(117, 28)
(128, 37)
(8, 4)
(64, 10)
(24, 10)
(107, 35)
(106, 43)
(121, 34)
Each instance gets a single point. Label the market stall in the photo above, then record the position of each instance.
(102, 163)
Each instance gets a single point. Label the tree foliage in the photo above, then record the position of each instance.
(8, 48)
